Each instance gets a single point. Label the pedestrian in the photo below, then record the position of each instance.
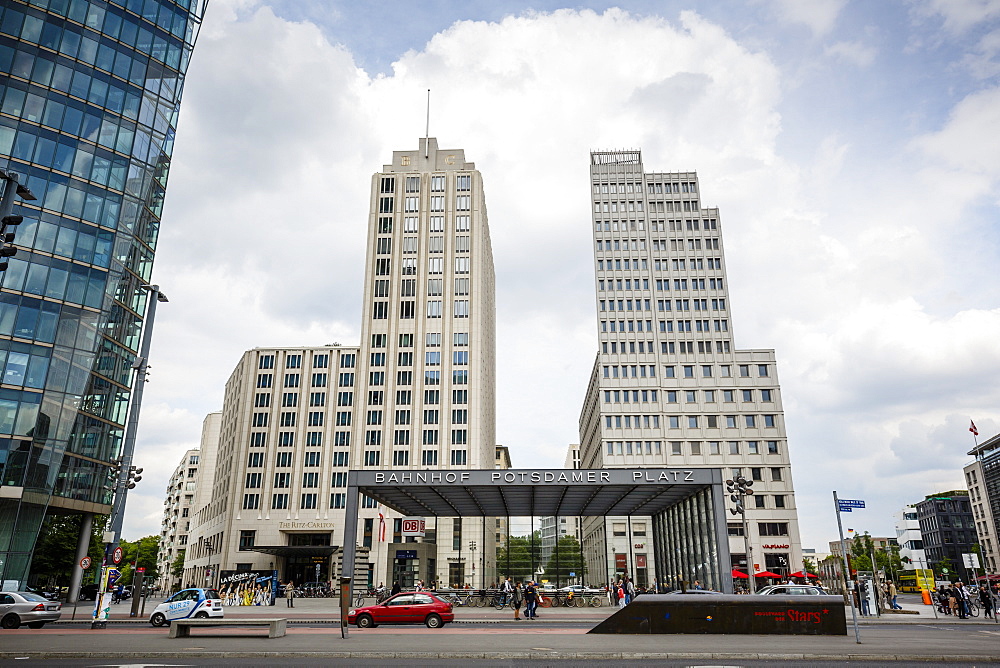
(620, 595)
(531, 600)
(518, 600)
(893, 593)
(986, 600)
(396, 588)
(630, 590)
(963, 600)
(290, 594)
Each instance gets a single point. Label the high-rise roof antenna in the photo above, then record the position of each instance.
(427, 131)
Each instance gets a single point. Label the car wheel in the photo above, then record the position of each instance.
(201, 615)
(36, 625)
(158, 619)
(433, 622)
(366, 622)
(10, 622)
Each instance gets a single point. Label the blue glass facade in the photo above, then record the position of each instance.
(89, 97)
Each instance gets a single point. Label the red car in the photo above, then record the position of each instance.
(405, 608)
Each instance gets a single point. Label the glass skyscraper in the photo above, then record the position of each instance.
(89, 97)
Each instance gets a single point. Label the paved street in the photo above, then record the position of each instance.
(484, 636)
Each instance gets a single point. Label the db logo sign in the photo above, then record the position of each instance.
(413, 526)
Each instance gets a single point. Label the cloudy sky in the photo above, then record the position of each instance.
(852, 147)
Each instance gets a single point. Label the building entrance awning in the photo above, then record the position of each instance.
(296, 550)
(530, 492)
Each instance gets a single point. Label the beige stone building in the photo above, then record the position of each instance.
(418, 393)
(669, 387)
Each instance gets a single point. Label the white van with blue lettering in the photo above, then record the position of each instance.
(187, 603)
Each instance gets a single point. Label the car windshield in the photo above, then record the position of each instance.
(35, 598)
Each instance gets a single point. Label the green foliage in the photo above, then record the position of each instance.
(55, 552)
(886, 560)
(520, 557)
(810, 565)
(570, 560)
(142, 553)
(177, 568)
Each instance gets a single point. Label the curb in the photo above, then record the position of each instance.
(552, 656)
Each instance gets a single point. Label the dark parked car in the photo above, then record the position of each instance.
(88, 592)
(405, 608)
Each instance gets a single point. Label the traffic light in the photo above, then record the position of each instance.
(737, 488)
(7, 237)
(133, 477)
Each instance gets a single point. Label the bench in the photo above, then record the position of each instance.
(181, 628)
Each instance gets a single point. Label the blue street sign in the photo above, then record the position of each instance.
(113, 574)
(846, 505)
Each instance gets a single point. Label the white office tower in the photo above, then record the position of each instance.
(669, 388)
(426, 385)
(909, 538)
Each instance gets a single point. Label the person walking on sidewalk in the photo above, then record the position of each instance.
(963, 600)
(290, 594)
(893, 593)
(531, 601)
(518, 600)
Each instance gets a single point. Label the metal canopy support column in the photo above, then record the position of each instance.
(507, 543)
(723, 560)
(349, 550)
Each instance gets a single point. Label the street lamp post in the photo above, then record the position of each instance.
(739, 488)
(472, 548)
(125, 473)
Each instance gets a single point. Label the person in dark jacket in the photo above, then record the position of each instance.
(518, 599)
(396, 588)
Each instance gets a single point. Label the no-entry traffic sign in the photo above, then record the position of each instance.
(117, 555)
(85, 563)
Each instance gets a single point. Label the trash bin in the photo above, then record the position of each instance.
(926, 595)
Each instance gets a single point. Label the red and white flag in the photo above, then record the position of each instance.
(972, 428)
(381, 528)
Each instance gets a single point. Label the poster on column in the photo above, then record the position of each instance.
(248, 587)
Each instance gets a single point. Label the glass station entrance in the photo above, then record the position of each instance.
(688, 527)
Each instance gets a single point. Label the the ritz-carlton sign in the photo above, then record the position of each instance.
(528, 477)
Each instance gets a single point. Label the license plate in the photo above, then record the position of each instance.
(52, 607)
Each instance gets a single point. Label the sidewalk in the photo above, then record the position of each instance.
(328, 610)
(880, 644)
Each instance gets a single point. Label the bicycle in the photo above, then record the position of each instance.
(973, 609)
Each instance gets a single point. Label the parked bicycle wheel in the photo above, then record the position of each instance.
(580, 602)
(596, 601)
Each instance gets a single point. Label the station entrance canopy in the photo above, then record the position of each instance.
(687, 506)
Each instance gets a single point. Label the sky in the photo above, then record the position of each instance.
(853, 149)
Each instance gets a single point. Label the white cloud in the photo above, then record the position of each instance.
(856, 53)
(849, 270)
(820, 16)
(958, 16)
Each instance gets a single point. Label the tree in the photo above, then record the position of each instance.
(177, 568)
(55, 552)
(519, 557)
(568, 560)
(810, 565)
(139, 554)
